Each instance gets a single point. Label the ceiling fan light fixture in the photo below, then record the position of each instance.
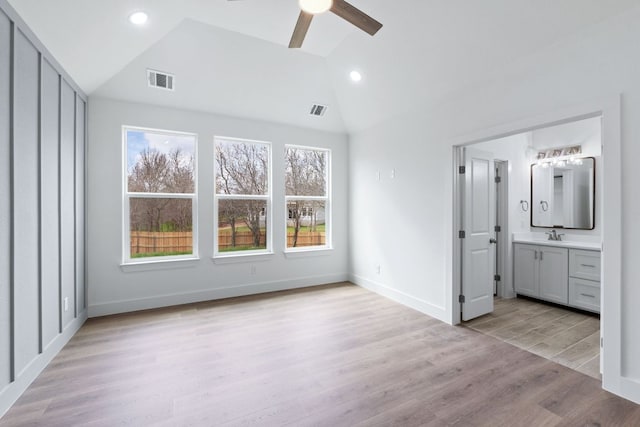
(138, 18)
(315, 6)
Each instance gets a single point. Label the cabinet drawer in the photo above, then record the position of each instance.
(584, 294)
(584, 264)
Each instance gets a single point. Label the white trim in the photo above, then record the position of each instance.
(160, 263)
(307, 251)
(268, 198)
(126, 196)
(327, 198)
(10, 394)
(126, 306)
(247, 255)
(611, 317)
(421, 305)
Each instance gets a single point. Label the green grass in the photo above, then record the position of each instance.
(244, 228)
(154, 254)
(319, 228)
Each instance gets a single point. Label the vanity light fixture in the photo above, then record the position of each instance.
(559, 157)
(138, 18)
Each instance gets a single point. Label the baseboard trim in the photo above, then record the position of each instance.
(126, 306)
(10, 394)
(402, 298)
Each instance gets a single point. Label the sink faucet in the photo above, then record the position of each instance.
(553, 235)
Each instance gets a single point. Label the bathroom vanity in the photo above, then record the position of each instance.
(563, 272)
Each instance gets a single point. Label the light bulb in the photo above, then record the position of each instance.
(315, 6)
(355, 76)
(138, 18)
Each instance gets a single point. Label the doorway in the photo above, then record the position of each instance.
(552, 331)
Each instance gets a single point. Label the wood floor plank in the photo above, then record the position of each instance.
(567, 337)
(334, 355)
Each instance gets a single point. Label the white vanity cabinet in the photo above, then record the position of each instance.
(542, 272)
(565, 276)
(584, 279)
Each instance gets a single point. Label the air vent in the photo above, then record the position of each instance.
(160, 79)
(318, 110)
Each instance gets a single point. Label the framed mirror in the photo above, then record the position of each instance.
(563, 194)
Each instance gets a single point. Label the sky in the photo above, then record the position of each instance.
(139, 140)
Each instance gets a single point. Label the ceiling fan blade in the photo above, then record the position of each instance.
(304, 20)
(355, 16)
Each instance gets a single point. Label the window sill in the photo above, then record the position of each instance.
(310, 252)
(164, 264)
(240, 258)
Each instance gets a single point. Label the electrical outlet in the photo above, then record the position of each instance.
(378, 269)
(378, 175)
(66, 303)
(393, 173)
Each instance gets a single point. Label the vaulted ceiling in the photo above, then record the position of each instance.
(231, 57)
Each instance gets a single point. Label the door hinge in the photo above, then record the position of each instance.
(461, 299)
(462, 170)
(497, 179)
(496, 277)
(497, 228)
(601, 342)
(461, 234)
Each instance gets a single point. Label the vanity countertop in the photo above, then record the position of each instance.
(573, 242)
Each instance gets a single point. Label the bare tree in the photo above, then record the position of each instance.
(305, 176)
(242, 169)
(157, 172)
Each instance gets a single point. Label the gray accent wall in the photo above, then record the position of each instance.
(49, 184)
(26, 258)
(5, 196)
(42, 225)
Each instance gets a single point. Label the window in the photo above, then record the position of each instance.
(159, 195)
(307, 197)
(242, 202)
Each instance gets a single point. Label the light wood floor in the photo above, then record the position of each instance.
(567, 337)
(329, 356)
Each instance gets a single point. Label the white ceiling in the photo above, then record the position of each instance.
(230, 56)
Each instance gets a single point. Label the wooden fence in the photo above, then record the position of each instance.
(309, 238)
(172, 242)
(243, 239)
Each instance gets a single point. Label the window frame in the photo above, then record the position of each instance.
(268, 198)
(327, 198)
(127, 196)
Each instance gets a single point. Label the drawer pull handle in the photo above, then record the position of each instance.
(588, 265)
(587, 295)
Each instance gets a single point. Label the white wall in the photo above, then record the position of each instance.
(411, 215)
(114, 289)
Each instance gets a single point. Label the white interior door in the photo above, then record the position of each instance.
(478, 251)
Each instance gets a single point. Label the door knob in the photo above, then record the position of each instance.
(493, 241)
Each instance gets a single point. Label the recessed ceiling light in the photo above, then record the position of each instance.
(138, 18)
(355, 76)
(315, 6)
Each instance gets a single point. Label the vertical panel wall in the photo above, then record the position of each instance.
(67, 207)
(80, 203)
(42, 126)
(5, 199)
(25, 202)
(49, 184)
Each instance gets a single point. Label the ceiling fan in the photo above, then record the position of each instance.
(344, 10)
